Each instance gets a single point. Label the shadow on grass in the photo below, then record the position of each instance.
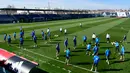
(38, 47)
(106, 70)
(37, 70)
(114, 62)
(52, 42)
(83, 63)
(128, 42)
(101, 53)
(105, 47)
(57, 40)
(127, 52)
(44, 45)
(109, 58)
(80, 50)
(70, 55)
(103, 42)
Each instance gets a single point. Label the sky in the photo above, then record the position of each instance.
(68, 4)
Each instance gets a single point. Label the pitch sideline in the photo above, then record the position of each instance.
(59, 61)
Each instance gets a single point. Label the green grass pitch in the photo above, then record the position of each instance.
(44, 54)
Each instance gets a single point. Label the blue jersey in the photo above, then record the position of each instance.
(66, 42)
(14, 34)
(74, 40)
(123, 50)
(57, 47)
(33, 33)
(84, 38)
(21, 39)
(49, 33)
(5, 36)
(9, 38)
(97, 40)
(42, 33)
(96, 59)
(34, 38)
(124, 37)
(116, 44)
(21, 34)
(88, 47)
(107, 52)
(95, 49)
(67, 53)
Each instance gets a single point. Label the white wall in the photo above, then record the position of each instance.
(129, 13)
(121, 14)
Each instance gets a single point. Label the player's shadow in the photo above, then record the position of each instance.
(52, 42)
(38, 47)
(83, 63)
(15, 42)
(109, 58)
(103, 42)
(57, 40)
(28, 40)
(80, 50)
(127, 52)
(44, 45)
(106, 70)
(105, 47)
(101, 53)
(37, 70)
(70, 55)
(114, 62)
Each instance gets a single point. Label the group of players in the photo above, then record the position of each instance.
(89, 49)
(95, 49)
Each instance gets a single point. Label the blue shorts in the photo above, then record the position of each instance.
(75, 44)
(124, 39)
(97, 43)
(66, 45)
(14, 36)
(58, 50)
(117, 47)
(4, 38)
(88, 50)
(85, 40)
(95, 64)
(107, 56)
(67, 57)
(35, 41)
(21, 43)
(95, 52)
(122, 54)
(9, 41)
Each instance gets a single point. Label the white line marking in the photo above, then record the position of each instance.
(58, 60)
(63, 68)
(53, 65)
(58, 66)
(42, 61)
(48, 63)
(69, 71)
(45, 61)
